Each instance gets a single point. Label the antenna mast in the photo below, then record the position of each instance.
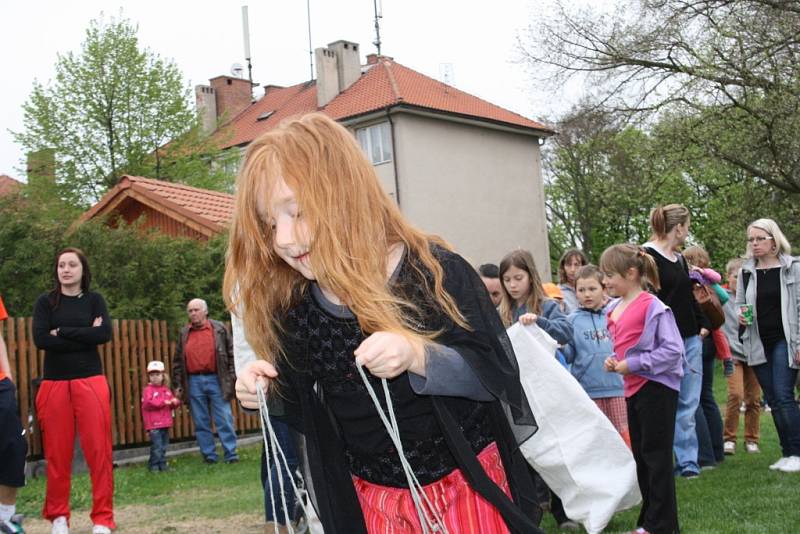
(378, 16)
(310, 49)
(246, 32)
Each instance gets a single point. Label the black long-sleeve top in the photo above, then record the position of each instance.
(73, 352)
(676, 292)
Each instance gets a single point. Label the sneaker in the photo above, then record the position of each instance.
(101, 529)
(779, 464)
(742, 407)
(708, 467)
(234, 460)
(60, 525)
(689, 475)
(729, 447)
(209, 460)
(569, 524)
(791, 465)
(767, 409)
(13, 525)
(752, 447)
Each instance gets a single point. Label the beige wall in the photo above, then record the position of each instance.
(480, 189)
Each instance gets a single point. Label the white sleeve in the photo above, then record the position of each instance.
(242, 351)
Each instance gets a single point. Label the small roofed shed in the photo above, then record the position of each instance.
(176, 210)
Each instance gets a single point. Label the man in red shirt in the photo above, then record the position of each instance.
(13, 447)
(203, 365)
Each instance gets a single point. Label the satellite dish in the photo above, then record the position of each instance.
(237, 70)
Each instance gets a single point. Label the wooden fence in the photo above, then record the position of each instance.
(125, 357)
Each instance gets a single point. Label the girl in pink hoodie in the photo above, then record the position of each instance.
(157, 405)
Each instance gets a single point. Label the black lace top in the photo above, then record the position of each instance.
(327, 340)
(322, 398)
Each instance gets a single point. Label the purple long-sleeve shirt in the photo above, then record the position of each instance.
(659, 353)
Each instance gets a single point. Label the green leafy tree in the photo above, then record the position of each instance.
(602, 180)
(111, 110)
(141, 276)
(730, 66)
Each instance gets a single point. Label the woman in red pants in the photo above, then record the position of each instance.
(68, 324)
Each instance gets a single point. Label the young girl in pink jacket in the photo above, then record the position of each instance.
(157, 405)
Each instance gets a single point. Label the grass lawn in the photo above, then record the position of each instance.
(740, 496)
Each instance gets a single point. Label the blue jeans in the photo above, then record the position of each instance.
(205, 395)
(269, 478)
(777, 381)
(685, 443)
(159, 439)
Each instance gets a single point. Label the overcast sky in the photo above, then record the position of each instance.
(204, 38)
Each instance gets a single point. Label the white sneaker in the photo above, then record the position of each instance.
(779, 464)
(791, 465)
(60, 525)
(752, 447)
(729, 447)
(101, 529)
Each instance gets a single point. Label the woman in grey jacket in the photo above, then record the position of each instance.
(769, 301)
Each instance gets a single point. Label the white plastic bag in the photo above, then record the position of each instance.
(577, 451)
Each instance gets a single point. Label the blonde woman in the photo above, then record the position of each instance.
(769, 305)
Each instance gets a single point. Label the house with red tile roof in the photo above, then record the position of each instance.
(457, 166)
(174, 209)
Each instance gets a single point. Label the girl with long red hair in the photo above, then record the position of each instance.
(330, 276)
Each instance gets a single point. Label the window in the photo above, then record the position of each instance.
(376, 141)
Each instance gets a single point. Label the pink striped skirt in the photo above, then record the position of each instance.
(616, 411)
(390, 510)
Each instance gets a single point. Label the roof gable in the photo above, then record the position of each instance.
(208, 212)
(381, 86)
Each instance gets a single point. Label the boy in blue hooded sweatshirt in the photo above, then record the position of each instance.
(591, 345)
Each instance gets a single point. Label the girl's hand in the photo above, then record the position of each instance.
(704, 332)
(54, 332)
(528, 318)
(610, 364)
(98, 321)
(387, 354)
(742, 320)
(259, 371)
(622, 368)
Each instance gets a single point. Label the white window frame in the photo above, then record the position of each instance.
(376, 141)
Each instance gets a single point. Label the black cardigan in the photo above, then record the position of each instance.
(486, 349)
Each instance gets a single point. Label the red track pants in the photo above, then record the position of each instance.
(63, 406)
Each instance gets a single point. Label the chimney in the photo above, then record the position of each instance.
(206, 103)
(348, 62)
(233, 95)
(338, 67)
(41, 168)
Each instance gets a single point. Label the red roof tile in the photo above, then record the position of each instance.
(383, 85)
(210, 209)
(8, 185)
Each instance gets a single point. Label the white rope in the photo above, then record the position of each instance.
(429, 517)
(429, 523)
(272, 446)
